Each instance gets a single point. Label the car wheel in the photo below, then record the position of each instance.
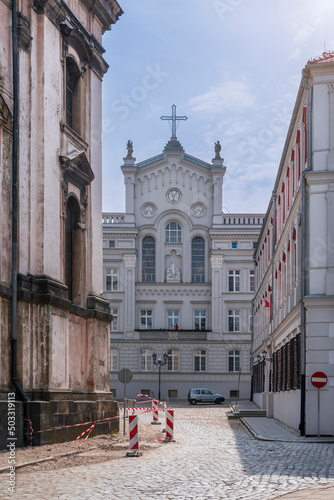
(218, 401)
(193, 401)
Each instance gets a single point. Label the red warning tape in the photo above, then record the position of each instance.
(31, 430)
(89, 430)
(150, 399)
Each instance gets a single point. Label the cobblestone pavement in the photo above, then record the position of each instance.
(212, 458)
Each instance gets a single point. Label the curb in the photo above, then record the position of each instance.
(47, 459)
(277, 440)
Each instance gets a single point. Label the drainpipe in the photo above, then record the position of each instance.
(14, 379)
(303, 263)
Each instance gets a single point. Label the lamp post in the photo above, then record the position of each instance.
(159, 363)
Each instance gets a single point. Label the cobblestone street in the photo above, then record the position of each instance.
(212, 458)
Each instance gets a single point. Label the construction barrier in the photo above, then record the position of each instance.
(169, 424)
(155, 412)
(133, 432)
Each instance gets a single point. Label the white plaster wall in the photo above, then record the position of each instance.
(96, 186)
(287, 407)
(52, 113)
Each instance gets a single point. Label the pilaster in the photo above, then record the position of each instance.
(216, 266)
(129, 296)
(129, 170)
(218, 172)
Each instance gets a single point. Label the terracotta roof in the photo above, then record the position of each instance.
(325, 57)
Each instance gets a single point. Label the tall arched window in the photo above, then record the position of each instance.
(173, 233)
(148, 259)
(198, 260)
(73, 96)
(72, 271)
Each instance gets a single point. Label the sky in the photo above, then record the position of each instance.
(233, 67)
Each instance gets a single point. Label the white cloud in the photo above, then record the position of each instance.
(295, 54)
(303, 33)
(231, 95)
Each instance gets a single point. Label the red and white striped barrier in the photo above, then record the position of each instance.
(155, 412)
(169, 424)
(133, 432)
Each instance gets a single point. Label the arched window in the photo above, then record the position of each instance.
(148, 259)
(173, 360)
(173, 233)
(200, 360)
(113, 360)
(73, 96)
(198, 260)
(72, 243)
(233, 361)
(146, 360)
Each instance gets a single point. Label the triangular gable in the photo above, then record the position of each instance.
(77, 168)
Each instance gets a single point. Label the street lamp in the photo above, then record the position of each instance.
(159, 363)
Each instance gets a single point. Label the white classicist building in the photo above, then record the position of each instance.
(294, 303)
(179, 276)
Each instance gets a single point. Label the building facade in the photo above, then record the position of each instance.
(294, 303)
(179, 277)
(54, 343)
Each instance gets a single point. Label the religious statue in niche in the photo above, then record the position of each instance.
(218, 149)
(130, 147)
(173, 273)
(173, 195)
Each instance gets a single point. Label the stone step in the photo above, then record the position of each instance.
(247, 413)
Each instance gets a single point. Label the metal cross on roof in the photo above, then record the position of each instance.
(174, 119)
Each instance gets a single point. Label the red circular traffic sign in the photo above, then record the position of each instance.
(319, 379)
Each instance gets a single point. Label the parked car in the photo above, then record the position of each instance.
(204, 396)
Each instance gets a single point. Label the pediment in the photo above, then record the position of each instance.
(77, 168)
(5, 114)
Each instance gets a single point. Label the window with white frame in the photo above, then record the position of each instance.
(172, 319)
(198, 260)
(173, 233)
(111, 279)
(233, 361)
(200, 320)
(148, 259)
(146, 319)
(173, 360)
(114, 323)
(251, 281)
(113, 360)
(145, 360)
(234, 281)
(234, 320)
(200, 360)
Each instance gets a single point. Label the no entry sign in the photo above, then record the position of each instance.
(319, 379)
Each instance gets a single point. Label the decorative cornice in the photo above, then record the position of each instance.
(216, 262)
(24, 32)
(228, 236)
(129, 261)
(128, 236)
(54, 9)
(173, 292)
